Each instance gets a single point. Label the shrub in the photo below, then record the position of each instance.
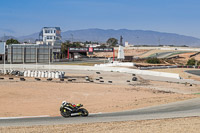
(191, 62)
(153, 61)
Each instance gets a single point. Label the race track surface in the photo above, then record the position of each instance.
(194, 72)
(172, 110)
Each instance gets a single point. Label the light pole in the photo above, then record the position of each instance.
(23, 58)
(4, 58)
(36, 56)
(10, 56)
(49, 59)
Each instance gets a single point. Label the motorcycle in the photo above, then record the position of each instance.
(68, 111)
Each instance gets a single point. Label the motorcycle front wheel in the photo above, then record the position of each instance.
(65, 113)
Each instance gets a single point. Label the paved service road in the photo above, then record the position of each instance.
(194, 72)
(172, 110)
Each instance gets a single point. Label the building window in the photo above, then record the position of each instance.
(49, 37)
(48, 31)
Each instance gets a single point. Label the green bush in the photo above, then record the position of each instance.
(191, 62)
(153, 61)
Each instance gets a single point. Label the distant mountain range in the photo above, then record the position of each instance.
(135, 37)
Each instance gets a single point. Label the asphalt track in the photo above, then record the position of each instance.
(186, 108)
(194, 72)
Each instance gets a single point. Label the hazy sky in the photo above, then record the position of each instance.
(23, 17)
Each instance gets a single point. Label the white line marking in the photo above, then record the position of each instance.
(21, 117)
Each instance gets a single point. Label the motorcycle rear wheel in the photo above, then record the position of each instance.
(84, 112)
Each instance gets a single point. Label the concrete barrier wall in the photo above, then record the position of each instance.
(164, 48)
(127, 64)
(157, 67)
(97, 68)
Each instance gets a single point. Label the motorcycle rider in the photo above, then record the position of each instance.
(70, 105)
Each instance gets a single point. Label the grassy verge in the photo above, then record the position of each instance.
(196, 93)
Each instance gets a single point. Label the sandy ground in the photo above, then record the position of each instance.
(176, 125)
(34, 98)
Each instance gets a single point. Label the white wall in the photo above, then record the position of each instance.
(97, 68)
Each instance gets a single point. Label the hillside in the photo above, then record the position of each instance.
(135, 37)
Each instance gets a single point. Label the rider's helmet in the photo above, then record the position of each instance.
(64, 103)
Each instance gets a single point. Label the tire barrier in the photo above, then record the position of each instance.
(100, 77)
(35, 74)
(98, 73)
(32, 74)
(1, 78)
(98, 69)
(44, 74)
(22, 79)
(97, 79)
(12, 72)
(128, 81)
(134, 79)
(49, 74)
(133, 75)
(49, 79)
(109, 81)
(70, 80)
(11, 78)
(102, 81)
(86, 78)
(37, 79)
(62, 79)
(73, 79)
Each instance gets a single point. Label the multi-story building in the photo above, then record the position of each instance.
(51, 36)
